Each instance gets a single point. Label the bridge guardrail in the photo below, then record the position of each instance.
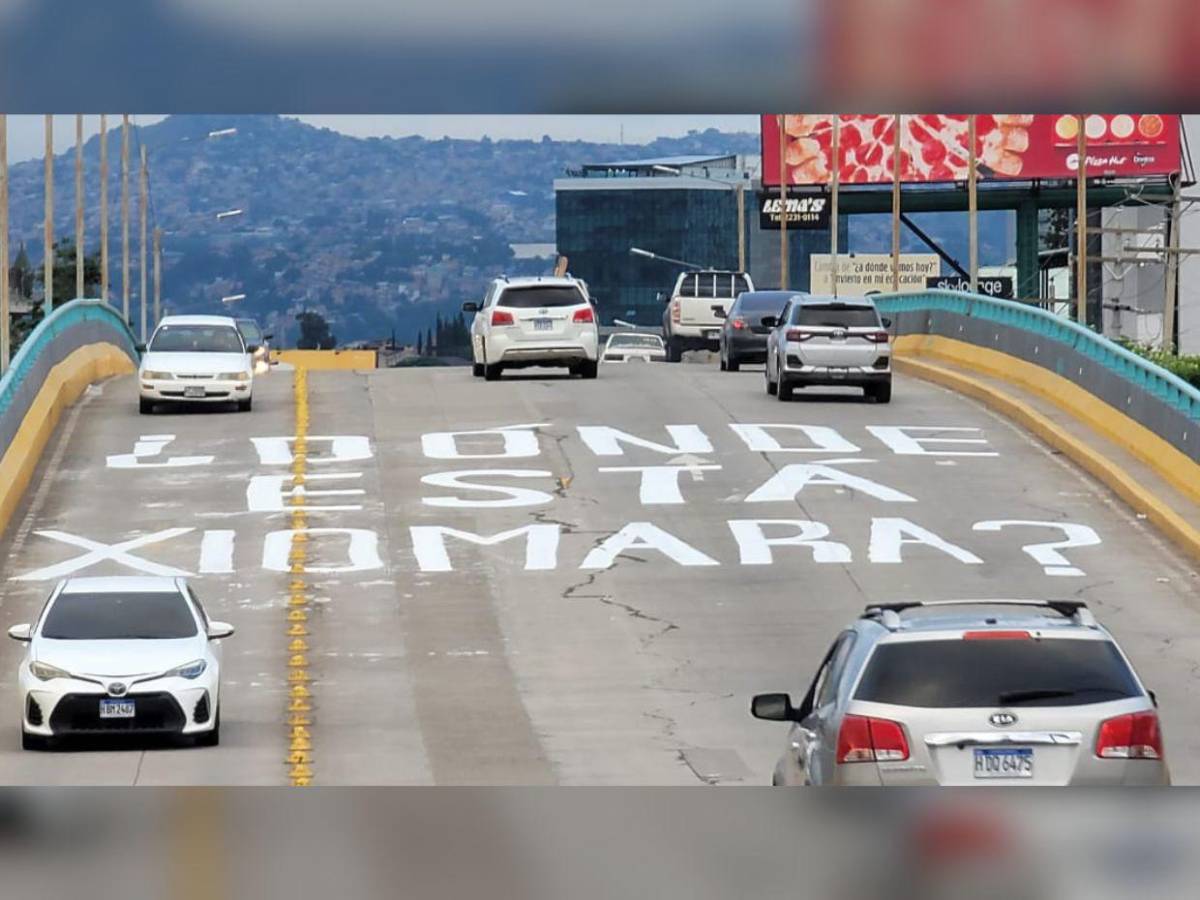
(1157, 399)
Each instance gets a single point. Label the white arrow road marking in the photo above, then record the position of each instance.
(98, 552)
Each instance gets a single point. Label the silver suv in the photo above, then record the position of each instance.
(829, 341)
(964, 692)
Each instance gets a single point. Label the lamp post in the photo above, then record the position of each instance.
(739, 190)
(638, 251)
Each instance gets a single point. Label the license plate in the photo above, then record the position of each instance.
(117, 709)
(543, 324)
(713, 333)
(837, 373)
(1005, 763)
(193, 391)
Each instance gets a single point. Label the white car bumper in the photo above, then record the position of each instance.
(194, 390)
(552, 351)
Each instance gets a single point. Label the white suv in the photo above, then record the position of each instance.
(536, 321)
(691, 320)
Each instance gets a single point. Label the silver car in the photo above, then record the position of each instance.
(965, 692)
(829, 341)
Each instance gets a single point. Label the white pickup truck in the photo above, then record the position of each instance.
(690, 320)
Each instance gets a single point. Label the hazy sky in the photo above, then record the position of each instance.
(26, 136)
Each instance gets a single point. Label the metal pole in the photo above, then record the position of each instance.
(783, 212)
(125, 217)
(896, 205)
(48, 224)
(142, 181)
(103, 207)
(1168, 341)
(78, 205)
(157, 275)
(835, 179)
(5, 349)
(741, 224)
(972, 207)
(1081, 225)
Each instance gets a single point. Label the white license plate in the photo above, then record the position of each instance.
(117, 709)
(193, 391)
(712, 334)
(1003, 763)
(837, 373)
(543, 324)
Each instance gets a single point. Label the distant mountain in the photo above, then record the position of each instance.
(377, 234)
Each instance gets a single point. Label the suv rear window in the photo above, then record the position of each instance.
(534, 297)
(713, 284)
(835, 316)
(964, 673)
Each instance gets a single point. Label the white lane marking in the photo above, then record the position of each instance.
(1046, 554)
(265, 493)
(513, 496)
(824, 439)
(660, 484)
(644, 536)
(277, 451)
(793, 478)
(604, 440)
(147, 447)
(754, 546)
(216, 552)
(429, 545)
(904, 444)
(517, 441)
(889, 535)
(362, 551)
(98, 552)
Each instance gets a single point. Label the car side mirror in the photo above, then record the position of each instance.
(218, 630)
(719, 312)
(887, 323)
(268, 337)
(774, 708)
(253, 348)
(661, 297)
(140, 348)
(21, 633)
(769, 321)
(470, 307)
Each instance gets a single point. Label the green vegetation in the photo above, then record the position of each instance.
(1186, 367)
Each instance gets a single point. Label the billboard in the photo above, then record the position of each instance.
(803, 210)
(934, 148)
(863, 273)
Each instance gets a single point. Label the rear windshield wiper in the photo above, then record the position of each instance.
(1010, 697)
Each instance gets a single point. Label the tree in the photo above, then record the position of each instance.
(420, 344)
(64, 273)
(314, 332)
(21, 277)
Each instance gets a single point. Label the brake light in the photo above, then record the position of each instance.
(1132, 736)
(878, 337)
(738, 323)
(996, 636)
(676, 313)
(583, 315)
(502, 317)
(797, 334)
(867, 739)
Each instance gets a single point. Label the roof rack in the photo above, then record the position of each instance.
(889, 613)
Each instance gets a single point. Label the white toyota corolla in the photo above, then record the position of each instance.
(196, 359)
(121, 655)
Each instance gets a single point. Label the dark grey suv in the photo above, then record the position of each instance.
(743, 337)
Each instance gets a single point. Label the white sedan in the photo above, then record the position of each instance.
(196, 359)
(634, 346)
(122, 655)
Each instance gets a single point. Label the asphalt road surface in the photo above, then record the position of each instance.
(619, 639)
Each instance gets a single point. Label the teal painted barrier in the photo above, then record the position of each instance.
(88, 320)
(1143, 374)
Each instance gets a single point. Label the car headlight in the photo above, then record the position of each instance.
(46, 672)
(151, 375)
(194, 669)
(234, 376)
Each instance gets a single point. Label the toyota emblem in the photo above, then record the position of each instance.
(117, 689)
(1002, 719)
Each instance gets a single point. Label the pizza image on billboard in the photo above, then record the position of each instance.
(934, 148)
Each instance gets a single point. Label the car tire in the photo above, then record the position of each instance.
(477, 369)
(589, 368)
(772, 387)
(881, 393)
(34, 741)
(722, 362)
(491, 371)
(732, 365)
(246, 405)
(782, 388)
(212, 737)
(145, 407)
(674, 350)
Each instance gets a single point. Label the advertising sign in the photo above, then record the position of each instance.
(803, 211)
(864, 273)
(993, 286)
(934, 148)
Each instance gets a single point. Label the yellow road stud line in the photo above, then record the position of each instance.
(298, 676)
(298, 645)
(297, 661)
(297, 630)
(299, 705)
(298, 717)
(297, 615)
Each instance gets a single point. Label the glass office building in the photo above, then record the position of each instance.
(684, 208)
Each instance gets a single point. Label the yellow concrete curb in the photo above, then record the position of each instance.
(1158, 512)
(62, 387)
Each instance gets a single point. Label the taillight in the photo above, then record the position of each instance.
(738, 323)
(996, 635)
(1132, 736)
(867, 739)
(878, 337)
(502, 317)
(583, 315)
(796, 334)
(676, 314)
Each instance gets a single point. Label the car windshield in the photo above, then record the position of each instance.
(119, 617)
(640, 341)
(835, 316)
(969, 673)
(196, 339)
(251, 333)
(540, 296)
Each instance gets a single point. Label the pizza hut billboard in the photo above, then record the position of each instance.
(934, 148)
